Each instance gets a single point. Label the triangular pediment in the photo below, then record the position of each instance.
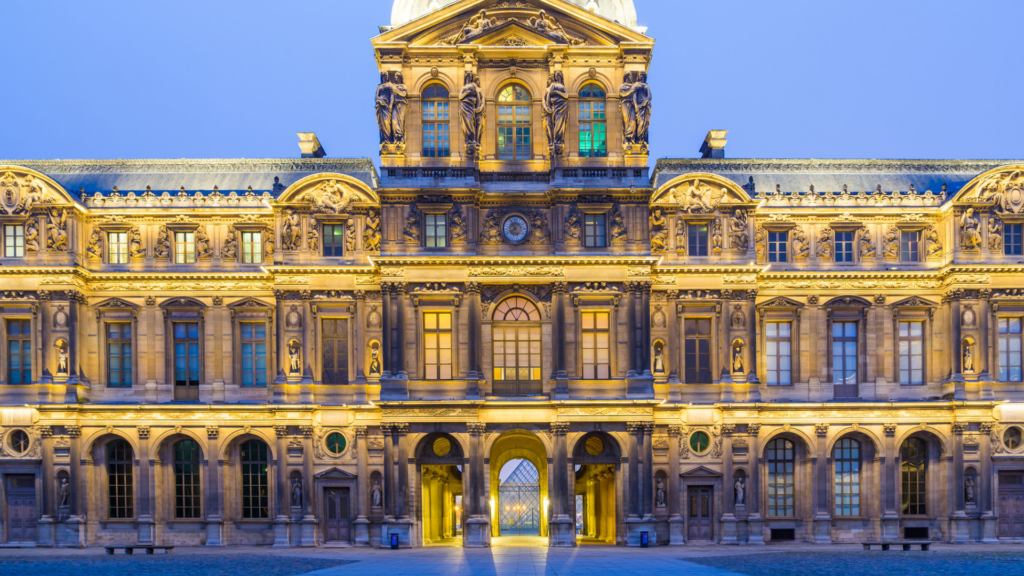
(701, 472)
(463, 23)
(335, 474)
(513, 33)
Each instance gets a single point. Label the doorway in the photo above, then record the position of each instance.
(337, 526)
(518, 488)
(700, 514)
(21, 508)
(1011, 505)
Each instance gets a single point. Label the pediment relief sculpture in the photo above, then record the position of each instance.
(698, 194)
(20, 192)
(1004, 190)
(483, 23)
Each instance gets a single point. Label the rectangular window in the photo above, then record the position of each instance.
(778, 246)
(1012, 239)
(844, 246)
(911, 353)
(186, 354)
(595, 330)
(119, 354)
(593, 136)
(117, 247)
(254, 353)
(14, 241)
(252, 247)
(437, 345)
(1009, 349)
(844, 353)
(910, 246)
(593, 230)
(334, 340)
(435, 230)
(777, 353)
(184, 247)
(846, 458)
(334, 240)
(513, 132)
(436, 139)
(697, 334)
(19, 351)
(697, 239)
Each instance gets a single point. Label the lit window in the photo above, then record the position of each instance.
(697, 350)
(14, 241)
(780, 478)
(777, 353)
(254, 353)
(910, 246)
(697, 239)
(119, 354)
(515, 329)
(778, 243)
(595, 332)
(911, 353)
(437, 339)
(846, 456)
(184, 247)
(514, 124)
(594, 230)
(1010, 349)
(593, 135)
(844, 246)
(436, 136)
(19, 352)
(334, 240)
(117, 247)
(434, 230)
(252, 247)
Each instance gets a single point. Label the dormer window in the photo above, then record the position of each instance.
(436, 134)
(593, 133)
(514, 124)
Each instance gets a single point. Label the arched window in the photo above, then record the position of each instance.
(187, 490)
(593, 136)
(846, 459)
(514, 123)
(436, 137)
(780, 478)
(255, 480)
(516, 338)
(913, 469)
(120, 480)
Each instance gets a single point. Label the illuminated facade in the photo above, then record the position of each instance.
(308, 352)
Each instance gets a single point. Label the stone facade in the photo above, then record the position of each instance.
(306, 352)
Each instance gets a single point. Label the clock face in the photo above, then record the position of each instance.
(515, 229)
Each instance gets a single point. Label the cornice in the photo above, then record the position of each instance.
(202, 165)
(314, 270)
(814, 165)
(444, 260)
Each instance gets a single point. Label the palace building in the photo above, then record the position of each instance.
(317, 351)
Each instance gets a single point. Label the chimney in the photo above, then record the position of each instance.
(714, 144)
(310, 146)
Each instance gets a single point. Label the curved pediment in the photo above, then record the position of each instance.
(329, 193)
(699, 193)
(1002, 187)
(23, 189)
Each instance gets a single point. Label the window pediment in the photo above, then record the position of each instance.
(780, 303)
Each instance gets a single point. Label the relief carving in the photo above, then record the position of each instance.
(970, 231)
(291, 231)
(230, 249)
(163, 244)
(95, 249)
(716, 236)
(933, 246)
(371, 232)
(891, 243)
(826, 243)
(995, 233)
(864, 244)
(457, 225)
(136, 250)
(738, 231)
(696, 197)
(659, 232)
(635, 105)
(57, 230)
(471, 114)
(801, 247)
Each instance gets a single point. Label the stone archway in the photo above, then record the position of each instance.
(596, 460)
(439, 465)
(518, 444)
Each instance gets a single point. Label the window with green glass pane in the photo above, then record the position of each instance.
(336, 443)
(514, 124)
(334, 240)
(119, 354)
(19, 351)
(699, 442)
(593, 132)
(252, 247)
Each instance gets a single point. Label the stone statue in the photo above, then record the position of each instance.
(968, 359)
(739, 491)
(826, 243)
(618, 225)
(738, 226)
(457, 225)
(642, 96)
(371, 232)
(291, 231)
(970, 234)
(659, 232)
(549, 26)
(203, 246)
(294, 365)
(411, 232)
(556, 112)
(539, 233)
(57, 238)
(659, 358)
(761, 244)
(62, 359)
(865, 245)
(230, 249)
(268, 248)
(96, 244)
(296, 492)
(628, 108)
(382, 102)
(135, 248)
(635, 104)
(378, 495)
(801, 247)
(36, 193)
(31, 237)
(995, 233)
(399, 105)
(572, 225)
(891, 243)
(471, 114)
(313, 235)
(933, 244)
(350, 237)
(375, 361)
(659, 493)
(969, 489)
(473, 27)
(737, 360)
(65, 493)
(716, 236)
(163, 244)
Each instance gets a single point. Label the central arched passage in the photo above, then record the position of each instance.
(526, 487)
(596, 461)
(519, 503)
(439, 459)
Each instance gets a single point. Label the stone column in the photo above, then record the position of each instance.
(730, 532)
(674, 487)
(307, 531)
(890, 485)
(214, 490)
(560, 531)
(76, 521)
(42, 374)
(46, 497)
(959, 388)
(475, 341)
(401, 431)
(961, 532)
(822, 515)
(282, 354)
(400, 372)
(754, 394)
(755, 523)
(389, 472)
(477, 532)
(647, 437)
(359, 333)
(645, 344)
(387, 350)
(362, 523)
(281, 536)
(671, 352)
(635, 511)
(145, 487)
(631, 330)
(73, 361)
(558, 334)
(986, 485)
(985, 348)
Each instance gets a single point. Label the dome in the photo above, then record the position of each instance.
(621, 11)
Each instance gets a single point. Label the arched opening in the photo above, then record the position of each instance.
(593, 134)
(516, 341)
(514, 138)
(596, 460)
(526, 515)
(439, 461)
(436, 134)
(784, 476)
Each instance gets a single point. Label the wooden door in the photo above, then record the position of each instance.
(334, 343)
(21, 508)
(700, 512)
(1011, 505)
(337, 527)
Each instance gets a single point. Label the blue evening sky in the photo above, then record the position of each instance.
(238, 78)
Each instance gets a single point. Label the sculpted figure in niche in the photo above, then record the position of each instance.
(203, 243)
(350, 237)
(659, 493)
(294, 364)
(371, 233)
(738, 225)
(457, 225)
(377, 494)
(740, 488)
(801, 248)
(737, 359)
(57, 231)
(290, 231)
(864, 244)
(969, 489)
(96, 244)
(62, 358)
(313, 235)
(296, 492)
(970, 236)
(163, 244)
(230, 249)
(65, 493)
(934, 245)
(412, 226)
(968, 359)
(659, 358)
(556, 112)
(659, 232)
(135, 248)
(618, 225)
(471, 114)
(826, 243)
(382, 103)
(761, 244)
(375, 360)
(995, 233)
(716, 236)
(891, 243)
(31, 237)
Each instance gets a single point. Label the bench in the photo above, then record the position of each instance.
(131, 549)
(907, 544)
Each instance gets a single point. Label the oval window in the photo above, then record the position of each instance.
(442, 446)
(336, 443)
(595, 446)
(699, 441)
(1012, 438)
(18, 441)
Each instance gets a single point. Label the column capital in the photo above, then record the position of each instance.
(359, 295)
(889, 429)
(307, 431)
(473, 287)
(73, 431)
(44, 431)
(385, 428)
(754, 428)
(281, 431)
(559, 287)
(986, 427)
(360, 431)
(212, 432)
(675, 430)
(959, 428)
(143, 432)
(648, 428)
(728, 428)
(476, 428)
(821, 429)
(635, 427)
(559, 428)
(400, 428)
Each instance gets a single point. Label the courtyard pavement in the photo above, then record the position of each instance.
(522, 557)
